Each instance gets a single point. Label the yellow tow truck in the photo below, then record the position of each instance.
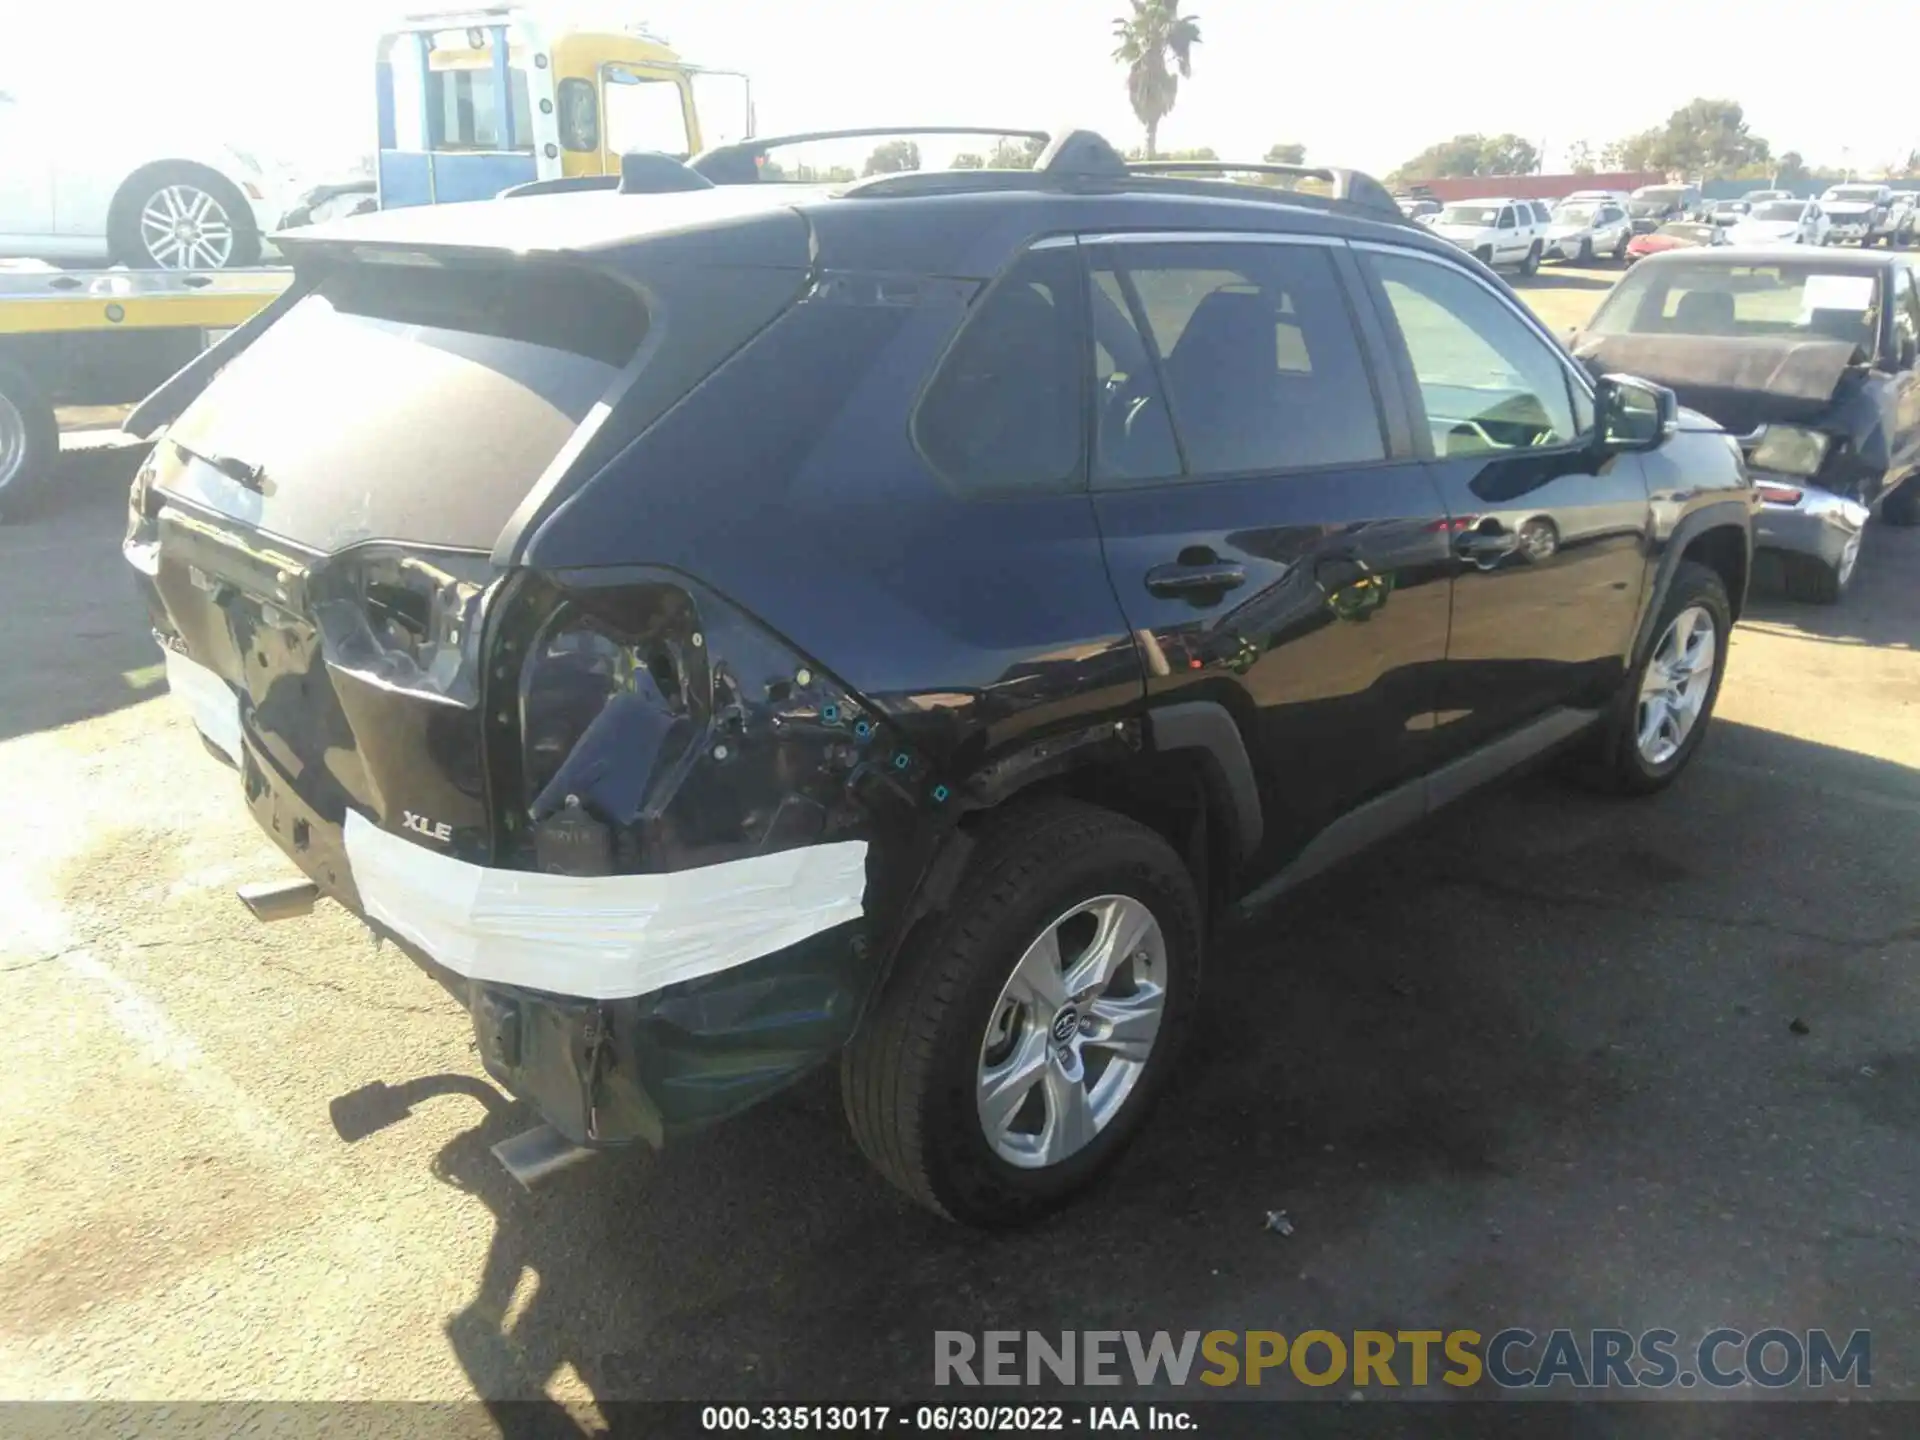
(471, 102)
(100, 338)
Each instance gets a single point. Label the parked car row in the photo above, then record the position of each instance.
(1590, 224)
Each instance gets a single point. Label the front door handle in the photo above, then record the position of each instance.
(1210, 577)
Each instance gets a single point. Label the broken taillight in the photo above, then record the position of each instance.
(659, 728)
(1778, 494)
(405, 620)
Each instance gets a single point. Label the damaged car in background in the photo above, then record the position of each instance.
(1809, 358)
(720, 626)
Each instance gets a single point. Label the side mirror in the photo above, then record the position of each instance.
(1634, 414)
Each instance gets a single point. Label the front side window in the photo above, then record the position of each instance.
(1003, 413)
(1488, 381)
(644, 114)
(1235, 359)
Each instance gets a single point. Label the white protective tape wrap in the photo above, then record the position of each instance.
(209, 700)
(603, 937)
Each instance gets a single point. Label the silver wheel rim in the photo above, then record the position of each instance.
(13, 441)
(185, 228)
(1072, 1031)
(1849, 557)
(1673, 691)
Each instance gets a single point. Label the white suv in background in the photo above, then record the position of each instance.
(1500, 231)
(1859, 213)
(129, 195)
(1587, 224)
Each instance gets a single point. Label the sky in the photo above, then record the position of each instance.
(1366, 83)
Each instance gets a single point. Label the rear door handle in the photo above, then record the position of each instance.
(1218, 576)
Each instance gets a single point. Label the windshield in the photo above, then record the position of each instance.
(1853, 192)
(1469, 215)
(1805, 299)
(1581, 214)
(1780, 210)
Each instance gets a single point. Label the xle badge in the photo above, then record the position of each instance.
(421, 825)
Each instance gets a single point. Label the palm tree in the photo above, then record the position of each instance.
(1156, 46)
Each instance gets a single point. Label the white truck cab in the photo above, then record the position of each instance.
(1497, 231)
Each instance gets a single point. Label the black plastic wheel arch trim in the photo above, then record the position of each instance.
(1206, 726)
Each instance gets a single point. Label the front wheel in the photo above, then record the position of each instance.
(1902, 507)
(1022, 1037)
(1815, 581)
(1660, 716)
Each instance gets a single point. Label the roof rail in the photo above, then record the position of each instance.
(1067, 155)
(739, 163)
(1353, 186)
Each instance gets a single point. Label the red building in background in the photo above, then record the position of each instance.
(1537, 187)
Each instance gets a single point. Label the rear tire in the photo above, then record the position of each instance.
(1902, 507)
(1813, 581)
(1620, 249)
(29, 440)
(1586, 251)
(1633, 753)
(918, 1075)
(1531, 265)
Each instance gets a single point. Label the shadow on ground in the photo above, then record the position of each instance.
(77, 642)
(1878, 607)
(1549, 277)
(1533, 1064)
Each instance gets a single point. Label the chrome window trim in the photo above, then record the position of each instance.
(1210, 237)
(1525, 316)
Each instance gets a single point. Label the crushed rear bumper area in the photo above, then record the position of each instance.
(625, 1007)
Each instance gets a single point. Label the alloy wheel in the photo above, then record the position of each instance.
(185, 228)
(13, 441)
(1673, 692)
(1072, 1031)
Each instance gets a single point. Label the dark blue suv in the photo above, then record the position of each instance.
(717, 625)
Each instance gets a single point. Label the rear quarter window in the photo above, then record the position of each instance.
(1004, 411)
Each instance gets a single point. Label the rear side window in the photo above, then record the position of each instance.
(1231, 359)
(1003, 412)
(412, 403)
(1540, 214)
